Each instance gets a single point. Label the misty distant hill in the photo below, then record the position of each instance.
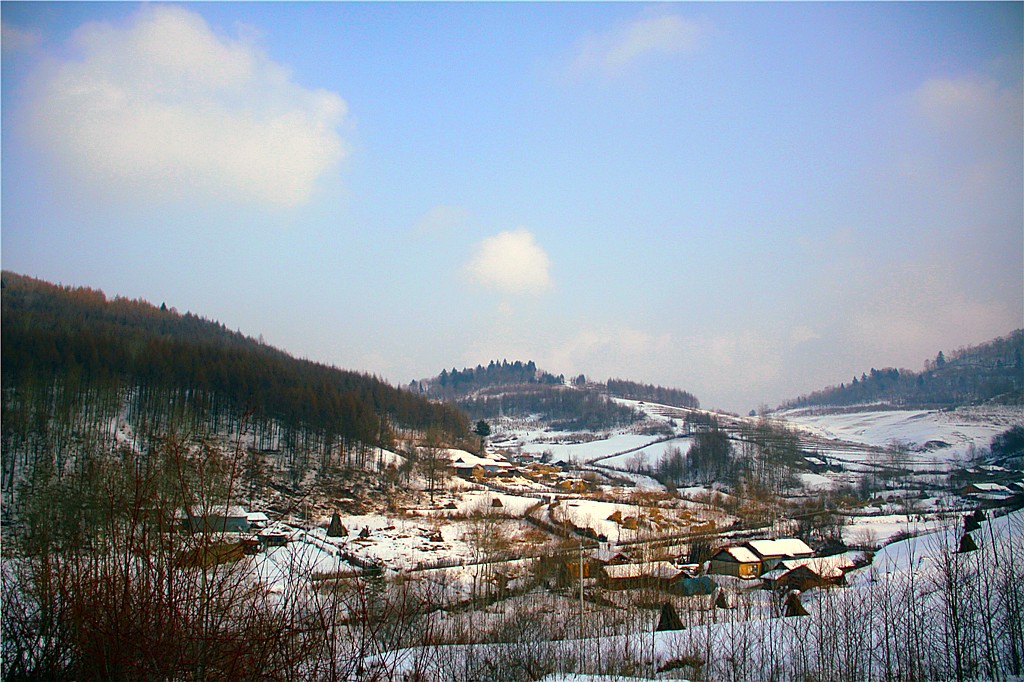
(989, 372)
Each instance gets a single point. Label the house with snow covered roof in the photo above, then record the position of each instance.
(771, 552)
(608, 556)
(986, 491)
(800, 574)
(214, 519)
(735, 561)
(465, 462)
(656, 574)
(257, 520)
(756, 557)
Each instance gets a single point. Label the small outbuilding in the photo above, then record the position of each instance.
(689, 587)
(270, 538)
(257, 520)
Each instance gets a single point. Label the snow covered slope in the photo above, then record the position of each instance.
(948, 436)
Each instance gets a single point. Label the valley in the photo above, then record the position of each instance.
(183, 501)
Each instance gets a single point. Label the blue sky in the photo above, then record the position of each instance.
(747, 201)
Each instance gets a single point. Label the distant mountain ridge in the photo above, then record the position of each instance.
(988, 372)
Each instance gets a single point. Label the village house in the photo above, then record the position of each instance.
(801, 574)
(739, 562)
(756, 557)
(607, 556)
(212, 553)
(214, 519)
(465, 463)
(655, 574)
(772, 552)
(987, 491)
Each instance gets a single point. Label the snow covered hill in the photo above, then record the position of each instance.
(950, 436)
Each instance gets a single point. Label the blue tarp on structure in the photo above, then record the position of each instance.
(702, 584)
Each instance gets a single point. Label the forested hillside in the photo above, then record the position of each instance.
(992, 371)
(74, 361)
(655, 394)
(522, 389)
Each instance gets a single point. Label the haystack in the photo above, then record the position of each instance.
(669, 619)
(336, 529)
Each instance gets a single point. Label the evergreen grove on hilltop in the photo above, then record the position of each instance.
(504, 373)
(522, 389)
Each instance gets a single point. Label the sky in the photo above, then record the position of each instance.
(748, 201)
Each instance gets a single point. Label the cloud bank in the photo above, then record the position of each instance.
(165, 108)
(511, 262)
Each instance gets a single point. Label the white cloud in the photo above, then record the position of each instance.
(615, 51)
(440, 220)
(916, 310)
(605, 352)
(802, 334)
(970, 102)
(163, 107)
(13, 38)
(973, 139)
(511, 262)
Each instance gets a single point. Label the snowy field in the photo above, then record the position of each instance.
(933, 435)
(601, 448)
(646, 457)
(610, 519)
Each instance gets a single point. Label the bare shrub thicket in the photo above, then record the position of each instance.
(97, 585)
